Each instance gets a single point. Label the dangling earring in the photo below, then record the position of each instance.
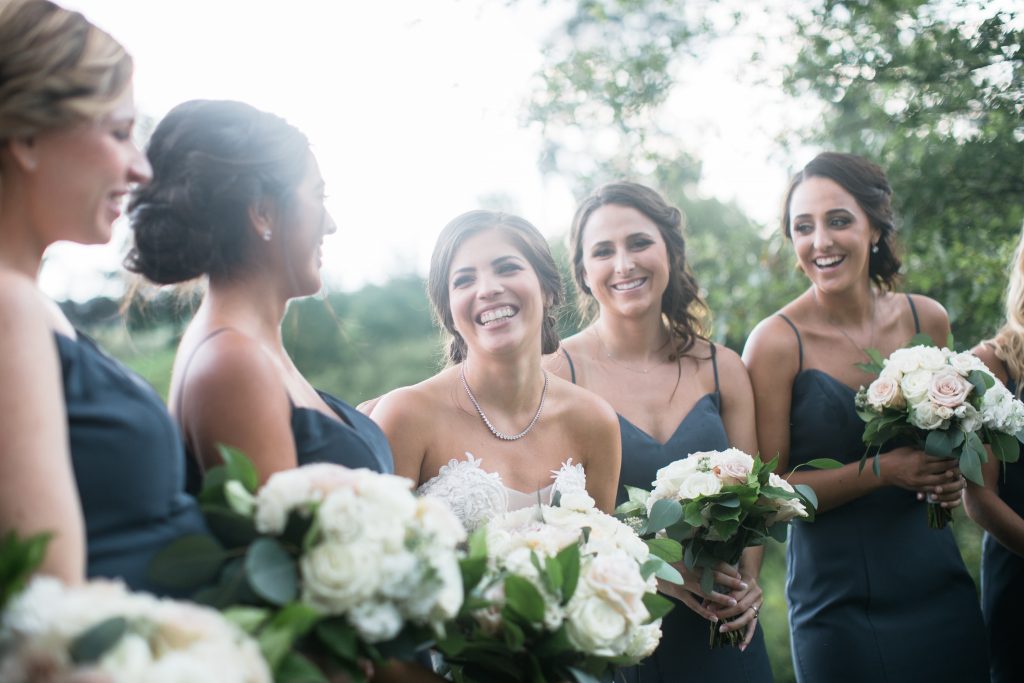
(266, 236)
(874, 248)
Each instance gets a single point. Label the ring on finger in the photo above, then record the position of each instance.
(756, 609)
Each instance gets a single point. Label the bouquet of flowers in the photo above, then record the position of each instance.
(716, 504)
(948, 403)
(556, 593)
(52, 633)
(348, 562)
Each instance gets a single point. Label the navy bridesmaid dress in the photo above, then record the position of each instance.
(684, 653)
(128, 464)
(1002, 584)
(874, 593)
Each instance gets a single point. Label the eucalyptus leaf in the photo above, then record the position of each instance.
(523, 598)
(296, 668)
(664, 513)
(824, 463)
(665, 548)
(1004, 446)
(939, 443)
(187, 563)
(90, 646)
(271, 572)
(657, 605)
(808, 493)
(239, 468)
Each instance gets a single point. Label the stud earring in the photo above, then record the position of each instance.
(874, 248)
(266, 236)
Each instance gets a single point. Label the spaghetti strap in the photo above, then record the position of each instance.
(799, 341)
(913, 309)
(714, 365)
(184, 370)
(572, 368)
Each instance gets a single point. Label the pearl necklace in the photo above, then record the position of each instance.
(480, 411)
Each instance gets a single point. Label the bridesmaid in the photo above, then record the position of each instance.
(237, 198)
(998, 507)
(87, 449)
(874, 594)
(675, 393)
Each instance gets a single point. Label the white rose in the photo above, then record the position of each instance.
(944, 412)
(970, 418)
(576, 500)
(930, 357)
(964, 362)
(616, 578)
(914, 386)
(284, 491)
(924, 416)
(376, 621)
(672, 475)
(337, 576)
(901, 362)
(438, 521)
(594, 626)
(788, 508)
(130, 659)
(644, 641)
(885, 392)
(700, 484)
(780, 483)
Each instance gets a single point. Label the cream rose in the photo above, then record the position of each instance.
(924, 416)
(594, 626)
(337, 576)
(948, 389)
(964, 362)
(732, 466)
(931, 358)
(885, 392)
(376, 621)
(700, 484)
(914, 386)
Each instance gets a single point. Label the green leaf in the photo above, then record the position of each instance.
(513, 634)
(296, 668)
(553, 572)
(212, 491)
(278, 637)
(271, 572)
(19, 559)
(664, 513)
(188, 563)
(523, 598)
(231, 529)
(920, 339)
(637, 495)
(939, 443)
(581, 676)
(89, 647)
(982, 381)
(249, 619)
(665, 548)
(823, 463)
(569, 558)
(478, 543)
(657, 605)
(339, 637)
(971, 457)
(1004, 446)
(662, 569)
(239, 468)
(808, 494)
(473, 569)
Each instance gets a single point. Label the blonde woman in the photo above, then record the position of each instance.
(998, 506)
(87, 449)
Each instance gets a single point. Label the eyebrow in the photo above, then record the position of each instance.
(639, 233)
(496, 262)
(827, 213)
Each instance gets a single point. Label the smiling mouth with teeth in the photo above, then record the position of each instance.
(828, 261)
(494, 315)
(626, 286)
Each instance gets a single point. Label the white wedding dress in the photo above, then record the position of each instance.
(476, 495)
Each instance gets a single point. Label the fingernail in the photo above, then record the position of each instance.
(732, 602)
(920, 496)
(743, 585)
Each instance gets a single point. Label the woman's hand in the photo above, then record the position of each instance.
(915, 470)
(727, 578)
(744, 614)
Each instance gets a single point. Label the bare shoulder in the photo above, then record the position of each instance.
(567, 361)
(932, 316)
(413, 405)
(731, 370)
(235, 365)
(986, 351)
(20, 300)
(584, 409)
(773, 340)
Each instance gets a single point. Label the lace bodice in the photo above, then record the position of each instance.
(476, 495)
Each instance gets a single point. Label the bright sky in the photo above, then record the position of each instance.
(414, 109)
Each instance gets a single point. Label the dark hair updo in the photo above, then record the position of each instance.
(867, 183)
(681, 305)
(526, 238)
(212, 160)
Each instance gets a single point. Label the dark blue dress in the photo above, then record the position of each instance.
(349, 438)
(874, 593)
(1002, 584)
(127, 458)
(684, 653)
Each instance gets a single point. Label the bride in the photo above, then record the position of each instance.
(493, 431)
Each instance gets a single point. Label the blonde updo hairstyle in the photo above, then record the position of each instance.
(1009, 341)
(56, 69)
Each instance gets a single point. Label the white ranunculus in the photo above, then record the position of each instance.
(376, 621)
(914, 386)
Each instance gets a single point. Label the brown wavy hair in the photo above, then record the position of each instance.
(682, 307)
(867, 183)
(526, 238)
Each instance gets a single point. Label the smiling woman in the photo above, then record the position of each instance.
(493, 284)
(868, 583)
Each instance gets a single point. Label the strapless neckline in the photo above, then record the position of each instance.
(477, 495)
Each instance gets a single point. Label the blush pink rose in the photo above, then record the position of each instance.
(948, 389)
(885, 392)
